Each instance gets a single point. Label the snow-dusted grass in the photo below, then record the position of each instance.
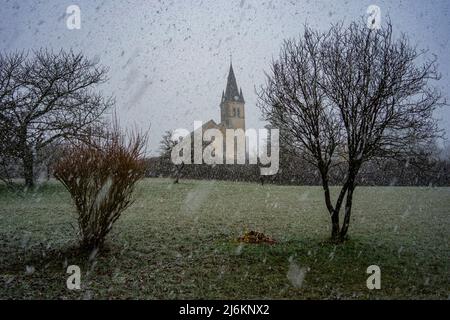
(179, 241)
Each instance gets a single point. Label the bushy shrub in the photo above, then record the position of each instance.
(100, 175)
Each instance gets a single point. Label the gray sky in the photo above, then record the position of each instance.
(169, 59)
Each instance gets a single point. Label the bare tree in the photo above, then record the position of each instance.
(9, 71)
(46, 97)
(349, 95)
(166, 145)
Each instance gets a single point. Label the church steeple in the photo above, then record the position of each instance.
(232, 106)
(232, 92)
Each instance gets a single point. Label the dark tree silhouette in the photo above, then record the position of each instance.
(166, 146)
(46, 97)
(348, 96)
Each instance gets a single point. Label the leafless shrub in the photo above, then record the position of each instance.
(100, 175)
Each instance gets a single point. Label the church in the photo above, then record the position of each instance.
(232, 113)
(232, 107)
(232, 110)
(228, 142)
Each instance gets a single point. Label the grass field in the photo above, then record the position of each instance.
(179, 241)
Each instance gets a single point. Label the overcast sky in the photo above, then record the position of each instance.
(169, 59)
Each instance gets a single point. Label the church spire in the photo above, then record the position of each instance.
(232, 106)
(232, 92)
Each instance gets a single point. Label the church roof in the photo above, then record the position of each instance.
(232, 92)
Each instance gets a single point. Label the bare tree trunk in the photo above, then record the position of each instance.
(326, 191)
(348, 211)
(178, 170)
(49, 170)
(334, 212)
(28, 170)
(335, 226)
(353, 171)
(27, 158)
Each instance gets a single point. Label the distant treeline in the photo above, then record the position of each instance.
(299, 172)
(291, 172)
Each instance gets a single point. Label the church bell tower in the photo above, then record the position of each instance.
(232, 111)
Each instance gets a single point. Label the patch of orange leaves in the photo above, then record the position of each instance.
(256, 237)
